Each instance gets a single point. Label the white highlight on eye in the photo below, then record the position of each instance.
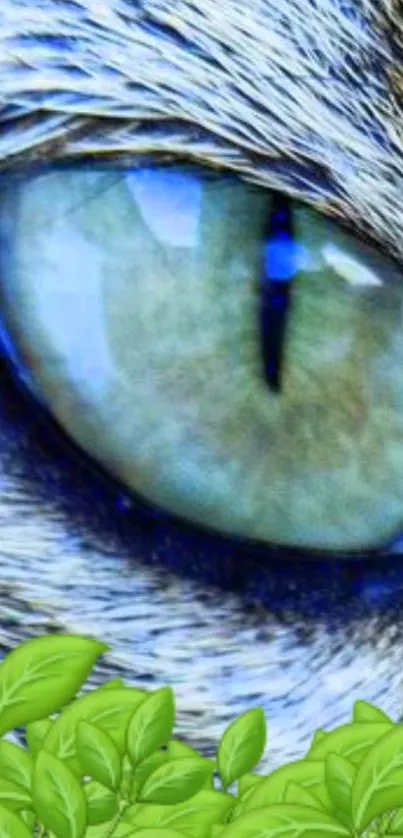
(349, 268)
(170, 204)
(69, 262)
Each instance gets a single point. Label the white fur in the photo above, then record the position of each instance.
(299, 95)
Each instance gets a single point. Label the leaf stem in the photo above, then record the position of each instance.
(122, 808)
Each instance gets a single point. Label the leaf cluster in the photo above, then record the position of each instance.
(104, 764)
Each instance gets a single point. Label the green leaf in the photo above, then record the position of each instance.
(242, 801)
(176, 781)
(179, 750)
(41, 675)
(28, 817)
(102, 804)
(247, 782)
(365, 712)
(285, 820)
(151, 725)
(339, 778)
(309, 774)
(15, 764)
(113, 684)
(396, 826)
(127, 790)
(98, 755)
(378, 785)
(295, 793)
(75, 767)
(204, 809)
(318, 736)
(351, 740)
(35, 734)
(238, 810)
(145, 769)
(109, 710)
(242, 745)
(208, 784)
(157, 833)
(121, 830)
(198, 830)
(58, 797)
(12, 826)
(14, 797)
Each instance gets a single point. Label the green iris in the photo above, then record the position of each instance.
(131, 299)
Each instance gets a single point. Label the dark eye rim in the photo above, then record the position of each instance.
(256, 551)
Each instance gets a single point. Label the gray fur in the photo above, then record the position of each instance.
(300, 95)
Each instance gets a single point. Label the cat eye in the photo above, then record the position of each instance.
(233, 358)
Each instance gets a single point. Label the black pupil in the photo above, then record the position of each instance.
(275, 290)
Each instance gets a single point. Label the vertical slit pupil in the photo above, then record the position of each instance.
(279, 268)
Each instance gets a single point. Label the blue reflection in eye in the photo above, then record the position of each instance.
(284, 258)
(58, 307)
(170, 204)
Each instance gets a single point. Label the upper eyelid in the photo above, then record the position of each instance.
(302, 193)
(112, 181)
(203, 30)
